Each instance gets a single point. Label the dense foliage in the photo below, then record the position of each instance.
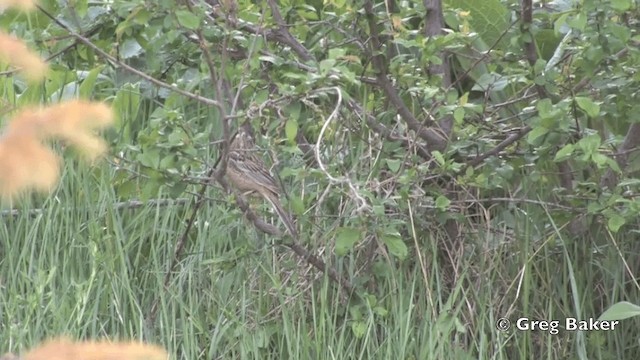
(462, 140)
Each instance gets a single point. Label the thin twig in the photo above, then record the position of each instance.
(124, 205)
(506, 142)
(130, 69)
(435, 137)
(199, 201)
(342, 180)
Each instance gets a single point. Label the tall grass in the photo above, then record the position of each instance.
(82, 263)
(84, 267)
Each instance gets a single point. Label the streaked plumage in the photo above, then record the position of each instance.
(248, 173)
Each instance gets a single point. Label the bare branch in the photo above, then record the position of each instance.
(631, 142)
(435, 138)
(283, 35)
(130, 69)
(506, 142)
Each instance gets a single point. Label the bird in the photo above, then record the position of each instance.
(248, 173)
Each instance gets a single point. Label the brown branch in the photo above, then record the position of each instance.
(294, 245)
(305, 54)
(282, 34)
(130, 69)
(258, 222)
(480, 59)
(177, 253)
(576, 225)
(434, 25)
(543, 204)
(506, 142)
(215, 171)
(526, 18)
(379, 128)
(631, 142)
(352, 104)
(436, 139)
(226, 131)
(320, 265)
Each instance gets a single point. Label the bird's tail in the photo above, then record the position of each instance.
(284, 215)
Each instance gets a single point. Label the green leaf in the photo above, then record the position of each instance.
(380, 311)
(127, 189)
(547, 40)
(271, 59)
(560, 23)
(326, 65)
(442, 202)
(437, 155)
(629, 182)
(291, 130)
(394, 164)
(537, 132)
(564, 153)
(545, 108)
(149, 190)
(80, 6)
(592, 109)
(589, 144)
(600, 159)
(122, 28)
(395, 245)
(167, 162)
(578, 22)
(177, 189)
(489, 18)
(308, 15)
(615, 222)
(142, 17)
(337, 53)
(620, 311)
(490, 81)
(346, 238)
(89, 82)
(130, 48)
(297, 205)
(358, 328)
(188, 19)
(149, 158)
(621, 5)
(177, 138)
(505, 171)
(458, 114)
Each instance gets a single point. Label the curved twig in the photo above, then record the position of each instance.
(342, 180)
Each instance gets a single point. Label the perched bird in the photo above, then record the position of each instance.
(248, 173)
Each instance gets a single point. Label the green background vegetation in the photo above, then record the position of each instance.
(526, 208)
